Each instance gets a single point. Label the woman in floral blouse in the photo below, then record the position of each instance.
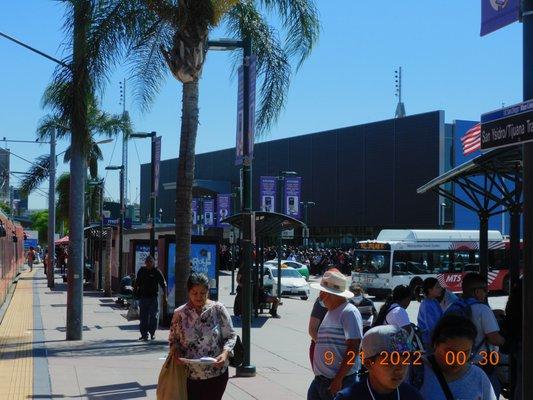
(203, 328)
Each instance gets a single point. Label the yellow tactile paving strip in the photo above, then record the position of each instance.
(16, 335)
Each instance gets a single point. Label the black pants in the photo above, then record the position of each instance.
(148, 310)
(207, 389)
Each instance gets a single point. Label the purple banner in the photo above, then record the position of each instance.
(157, 163)
(223, 208)
(245, 135)
(291, 196)
(496, 14)
(209, 212)
(252, 77)
(268, 193)
(194, 211)
(239, 143)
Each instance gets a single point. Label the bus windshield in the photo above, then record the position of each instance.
(374, 262)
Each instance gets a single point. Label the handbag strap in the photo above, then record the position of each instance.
(440, 377)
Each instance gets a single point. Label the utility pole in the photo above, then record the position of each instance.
(246, 369)
(527, 300)
(51, 210)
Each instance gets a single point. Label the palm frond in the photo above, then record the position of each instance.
(63, 197)
(148, 68)
(301, 24)
(35, 175)
(51, 123)
(272, 61)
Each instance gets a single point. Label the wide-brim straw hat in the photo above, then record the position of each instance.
(334, 283)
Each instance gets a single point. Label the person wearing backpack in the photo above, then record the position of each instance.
(393, 311)
(448, 374)
(473, 306)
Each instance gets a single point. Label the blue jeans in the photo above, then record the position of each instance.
(148, 313)
(319, 387)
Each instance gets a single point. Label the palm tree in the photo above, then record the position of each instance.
(99, 123)
(94, 30)
(177, 39)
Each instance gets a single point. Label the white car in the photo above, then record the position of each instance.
(292, 282)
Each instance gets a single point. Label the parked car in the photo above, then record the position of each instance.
(301, 268)
(292, 282)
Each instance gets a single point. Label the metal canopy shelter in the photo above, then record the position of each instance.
(267, 225)
(501, 174)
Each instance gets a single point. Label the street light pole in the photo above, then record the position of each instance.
(153, 189)
(121, 219)
(246, 369)
(51, 210)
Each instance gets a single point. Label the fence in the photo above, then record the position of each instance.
(11, 253)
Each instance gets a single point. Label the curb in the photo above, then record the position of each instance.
(9, 296)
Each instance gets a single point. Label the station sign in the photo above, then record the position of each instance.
(507, 126)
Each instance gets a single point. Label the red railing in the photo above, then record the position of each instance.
(11, 254)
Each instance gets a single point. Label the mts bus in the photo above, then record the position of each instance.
(407, 257)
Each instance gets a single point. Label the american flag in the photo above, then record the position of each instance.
(472, 140)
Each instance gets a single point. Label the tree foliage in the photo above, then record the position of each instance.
(39, 221)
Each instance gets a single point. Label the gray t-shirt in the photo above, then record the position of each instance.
(473, 385)
(339, 325)
(485, 322)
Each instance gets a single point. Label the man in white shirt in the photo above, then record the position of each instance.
(336, 353)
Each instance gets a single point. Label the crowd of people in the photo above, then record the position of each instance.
(317, 259)
(452, 352)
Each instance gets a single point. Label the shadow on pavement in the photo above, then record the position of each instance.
(121, 391)
(256, 322)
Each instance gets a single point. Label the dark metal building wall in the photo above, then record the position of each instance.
(364, 175)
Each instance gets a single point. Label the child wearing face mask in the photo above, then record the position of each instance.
(364, 305)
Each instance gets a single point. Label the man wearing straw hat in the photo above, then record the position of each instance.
(335, 359)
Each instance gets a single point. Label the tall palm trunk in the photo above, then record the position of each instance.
(184, 182)
(80, 85)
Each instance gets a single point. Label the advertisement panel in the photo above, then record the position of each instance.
(223, 208)
(268, 193)
(203, 260)
(292, 196)
(209, 212)
(32, 239)
(142, 251)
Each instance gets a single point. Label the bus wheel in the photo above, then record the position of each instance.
(412, 286)
(506, 287)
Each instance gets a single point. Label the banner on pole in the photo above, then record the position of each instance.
(268, 193)
(239, 144)
(194, 211)
(157, 163)
(242, 152)
(209, 212)
(495, 14)
(223, 208)
(292, 195)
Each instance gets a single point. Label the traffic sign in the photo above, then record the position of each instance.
(508, 126)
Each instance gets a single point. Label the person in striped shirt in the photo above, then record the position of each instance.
(336, 355)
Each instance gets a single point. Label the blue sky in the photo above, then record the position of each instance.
(348, 79)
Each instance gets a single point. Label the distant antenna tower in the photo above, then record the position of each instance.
(400, 107)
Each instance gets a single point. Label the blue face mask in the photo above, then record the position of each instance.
(358, 299)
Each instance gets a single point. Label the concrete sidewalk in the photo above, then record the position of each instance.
(110, 363)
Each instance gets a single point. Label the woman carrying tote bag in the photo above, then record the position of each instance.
(201, 329)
